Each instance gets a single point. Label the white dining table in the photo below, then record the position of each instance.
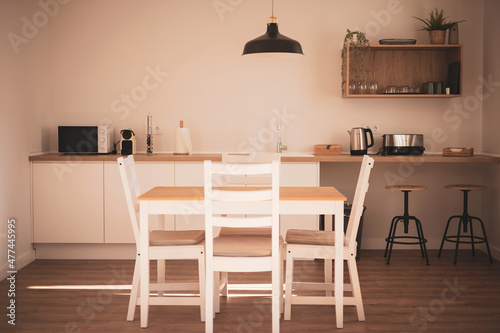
(165, 200)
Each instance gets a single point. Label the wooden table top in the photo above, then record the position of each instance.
(327, 193)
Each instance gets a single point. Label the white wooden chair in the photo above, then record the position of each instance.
(246, 180)
(313, 244)
(254, 207)
(164, 245)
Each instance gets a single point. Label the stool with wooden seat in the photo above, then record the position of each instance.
(464, 221)
(406, 218)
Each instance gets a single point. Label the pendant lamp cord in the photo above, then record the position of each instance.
(272, 8)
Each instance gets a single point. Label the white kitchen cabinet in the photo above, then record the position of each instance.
(117, 228)
(68, 202)
(83, 202)
(189, 174)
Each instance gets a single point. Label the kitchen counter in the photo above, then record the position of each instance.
(56, 157)
(286, 157)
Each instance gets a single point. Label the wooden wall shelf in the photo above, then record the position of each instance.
(403, 65)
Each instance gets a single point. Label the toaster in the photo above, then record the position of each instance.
(402, 144)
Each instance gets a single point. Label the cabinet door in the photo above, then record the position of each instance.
(299, 174)
(117, 228)
(189, 174)
(68, 202)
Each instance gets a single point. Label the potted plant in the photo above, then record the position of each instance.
(358, 42)
(437, 25)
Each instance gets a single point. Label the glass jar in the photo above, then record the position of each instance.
(352, 87)
(362, 87)
(390, 90)
(373, 87)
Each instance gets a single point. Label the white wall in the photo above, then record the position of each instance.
(100, 51)
(24, 109)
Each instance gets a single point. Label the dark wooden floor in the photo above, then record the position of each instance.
(405, 296)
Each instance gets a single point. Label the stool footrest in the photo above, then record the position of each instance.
(392, 240)
(472, 239)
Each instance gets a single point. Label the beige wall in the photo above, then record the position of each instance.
(79, 67)
(100, 52)
(24, 105)
(491, 119)
(491, 105)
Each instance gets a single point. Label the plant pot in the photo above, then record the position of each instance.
(437, 36)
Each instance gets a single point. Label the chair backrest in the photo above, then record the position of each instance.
(359, 199)
(259, 204)
(132, 190)
(249, 158)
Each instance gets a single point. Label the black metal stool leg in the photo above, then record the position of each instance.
(485, 238)
(398, 218)
(389, 235)
(423, 248)
(458, 239)
(419, 235)
(444, 235)
(472, 236)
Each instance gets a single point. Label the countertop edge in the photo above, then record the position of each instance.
(55, 157)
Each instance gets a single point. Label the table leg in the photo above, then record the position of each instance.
(144, 255)
(339, 263)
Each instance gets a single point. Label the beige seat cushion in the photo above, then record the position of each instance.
(175, 237)
(310, 237)
(250, 232)
(243, 246)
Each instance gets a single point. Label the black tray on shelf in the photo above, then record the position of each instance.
(394, 41)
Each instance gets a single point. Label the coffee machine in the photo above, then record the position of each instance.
(127, 142)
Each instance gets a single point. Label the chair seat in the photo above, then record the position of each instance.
(243, 246)
(242, 232)
(311, 237)
(175, 237)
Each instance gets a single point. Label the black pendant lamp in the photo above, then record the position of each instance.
(272, 42)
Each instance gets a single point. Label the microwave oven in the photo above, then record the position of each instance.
(85, 140)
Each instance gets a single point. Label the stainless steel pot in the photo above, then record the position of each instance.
(403, 144)
(403, 140)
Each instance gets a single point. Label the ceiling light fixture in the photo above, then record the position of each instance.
(272, 42)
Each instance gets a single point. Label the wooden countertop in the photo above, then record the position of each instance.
(405, 158)
(55, 157)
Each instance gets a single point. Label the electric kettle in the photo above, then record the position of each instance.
(359, 140)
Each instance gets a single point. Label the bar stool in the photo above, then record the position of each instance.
(406, 218)
(464, 221)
